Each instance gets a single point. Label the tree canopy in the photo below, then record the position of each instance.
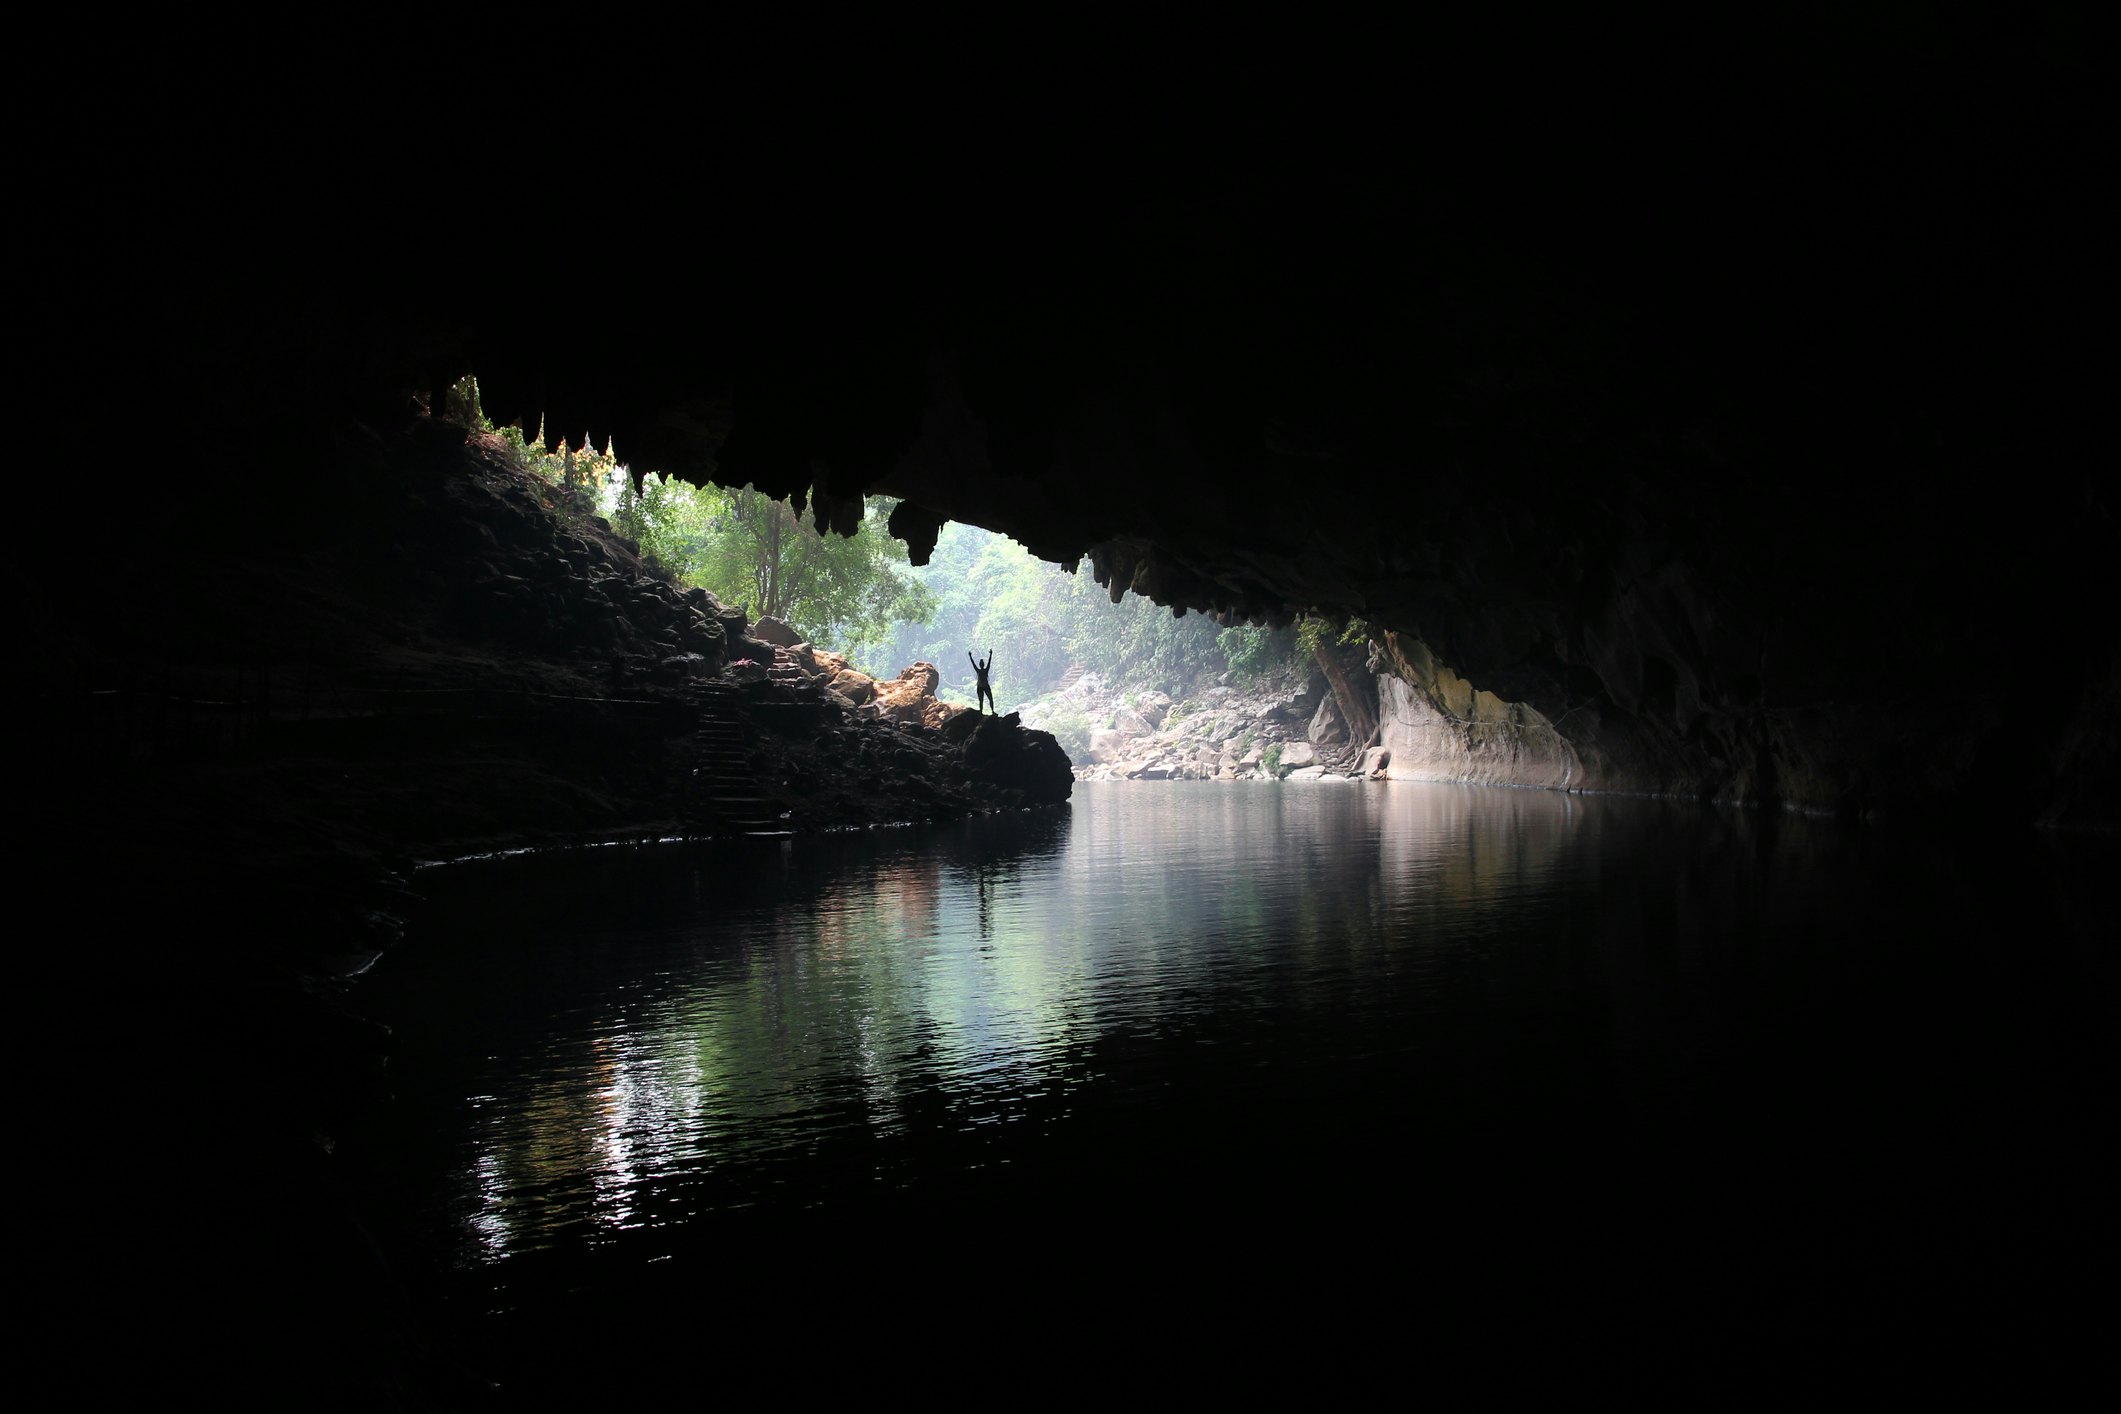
(843, 592)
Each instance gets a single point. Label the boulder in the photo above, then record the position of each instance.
(1297, 754)
(901, 709)
(936, 715)
(1154, 708)
(1307, 773)
(858, 688)
(1375, 760)
(1128, 722)
(1105, 745)
(1326, 724)
(907, 697)
(1001, 753)
(772, 630)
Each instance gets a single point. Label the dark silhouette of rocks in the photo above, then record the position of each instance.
(1002, 753)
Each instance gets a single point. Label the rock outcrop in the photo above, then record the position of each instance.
(1430, 725)
(1436, 726)
(841, 744)
(1000, 752)
(775, 631)
(1228, 731)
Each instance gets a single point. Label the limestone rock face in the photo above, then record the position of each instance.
(1436, 726)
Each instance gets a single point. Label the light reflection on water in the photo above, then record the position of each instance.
(684, 1029)
(600, 1046)
(1767, 1074)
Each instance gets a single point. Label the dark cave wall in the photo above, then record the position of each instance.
(1721, 406)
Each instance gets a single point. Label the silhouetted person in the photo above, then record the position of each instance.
(986, 691)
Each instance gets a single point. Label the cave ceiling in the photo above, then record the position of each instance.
(1775, 344)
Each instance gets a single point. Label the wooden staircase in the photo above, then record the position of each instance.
(725, 790)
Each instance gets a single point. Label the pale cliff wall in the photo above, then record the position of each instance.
(1439, 727)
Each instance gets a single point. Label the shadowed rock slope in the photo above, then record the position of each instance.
(432, 658)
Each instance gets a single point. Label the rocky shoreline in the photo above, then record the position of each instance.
(1384, 711)
(1287, 725)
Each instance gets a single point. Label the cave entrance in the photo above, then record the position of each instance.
(1128, 687)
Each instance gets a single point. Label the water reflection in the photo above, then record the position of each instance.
(667, 1032)
(611, 1047)
(1470, 1038)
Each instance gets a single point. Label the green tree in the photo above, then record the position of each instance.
(844, 592)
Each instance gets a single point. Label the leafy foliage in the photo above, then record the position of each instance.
(1070, 728)
(1251, 650)
(1314, 633)
(1042, 619)
(843, 592)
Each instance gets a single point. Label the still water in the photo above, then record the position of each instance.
(1462, 1029)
